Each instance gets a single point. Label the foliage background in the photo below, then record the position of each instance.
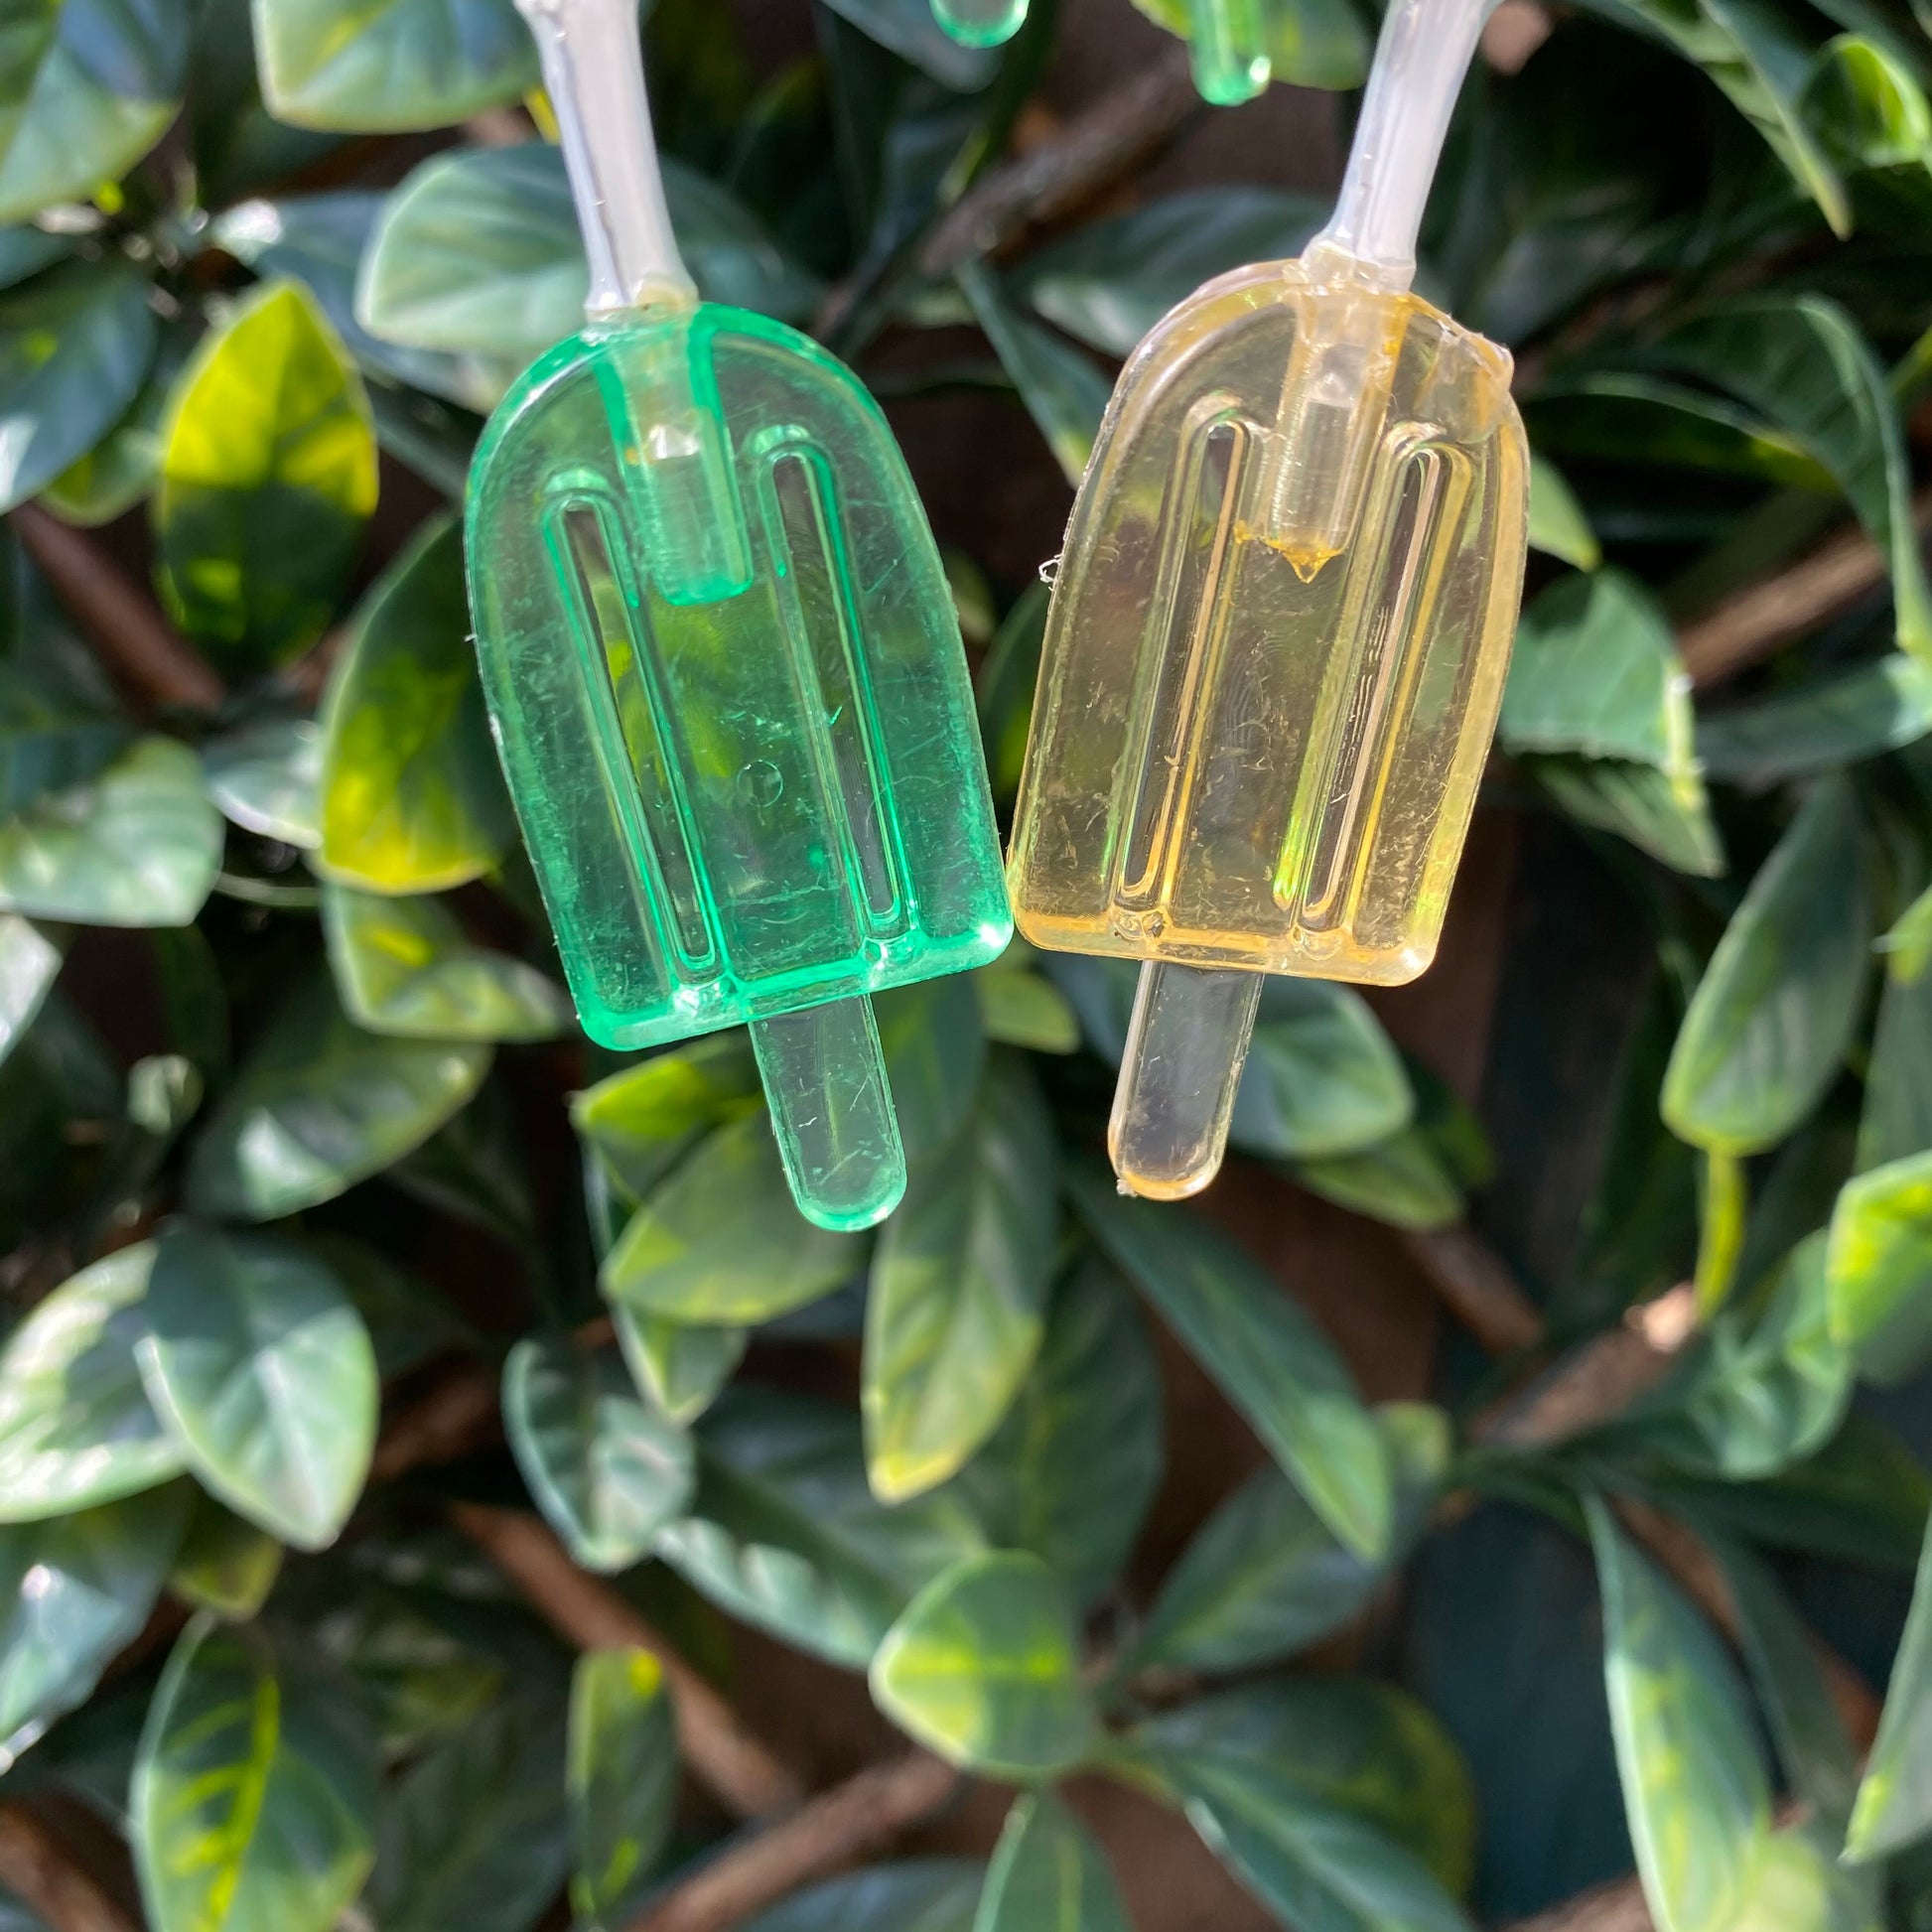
(1510, 1474)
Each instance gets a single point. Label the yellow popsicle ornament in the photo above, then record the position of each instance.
(1279, 632)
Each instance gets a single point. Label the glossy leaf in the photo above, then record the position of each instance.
(645, 1119)
(477, 1834)
(77, 1591)
(1665, 814)
(1894, 1802)
(623, 1778)
(76, 1425)
(1264, 1577)
(1074, 1467)
(254, 1792)
(1558, 525)
(680, 1367)
(720, 1241)
(914, 1896)
(909, 29)
(1896, 1119)
(1322, 1078)
(984, 1668)
(1048, 1874)
(30, 963)
(225, 1563)
(259, 1364)
(1878, 707)
(1694, 1785)
(88, 86)
(606, 1471)
(266, 777)
(1768, 1025)
(74, 349)
(1268, 1357)
(120, 469)
(959, 1287)
(935, 1056)
(268, 479)
(1065, 393)
(1878, 1268)
(320, 1105)
(1352, 1742)
(477, 253)
(136, 845)
(403, 966)
(1025, 1008)
(402, 64)
(787, 1533)
(412, 796)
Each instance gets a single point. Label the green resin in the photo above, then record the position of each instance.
(980, 23)
(727, 684)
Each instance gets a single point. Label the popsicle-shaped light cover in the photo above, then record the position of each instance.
(723, 669)
(1227, 39)
(1279, 632)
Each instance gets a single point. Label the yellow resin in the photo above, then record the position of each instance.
(1278, 637)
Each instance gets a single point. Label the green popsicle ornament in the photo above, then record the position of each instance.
(723, 666)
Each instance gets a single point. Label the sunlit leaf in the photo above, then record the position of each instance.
(266, 777)
(1878, 1268)
(1557, 525)
(225, 1563)
(623, 1777)
(1048, 1874)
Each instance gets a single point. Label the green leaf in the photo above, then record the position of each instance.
(477, 1834)
(121, 468)
(74, 349)
(1557, 525)
(477, 253)
(1812, 1744)
(787, 1533)
(136, 845)
(1322, 1078)
(1769, 1022)
(1352, 1742)
(1878, 707)
(77, 1591)
(1878, 1268)
(1664, 814)
(1266, 1355)
(909, 29)
(1311, 43)
(1264, 1577)
(254, 1791)
(1694, 1785)
(267, 476)
(1065, 393)
(1048, 1874)
(1895, 1803)
(75, 1426)
(390, 68)
(1802, 364)
(412, 796)
(51, 738)
(984, 1668)
(607, 1471)
(679, 1366)
(225, 1563)
(1074, 1467)
(915, 1896)
(259, 1364)
(266, 777)
(403, 966)
(959, 1287)
(88, 86)
(1108, 282)
(1403, 1181)
(1025, 1008)
(623, 1778)
(720, 1241)
(643, 1121)
(320, 1105)
(935, 1054)
(30, 963)
(1868, 104)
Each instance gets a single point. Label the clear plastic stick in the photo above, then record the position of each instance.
(824, 1075)
(593, 59)
(1185, 1048)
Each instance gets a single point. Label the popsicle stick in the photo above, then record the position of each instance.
(980, 23)
(1185, 1048)
(1228, 42)
(832, 1111)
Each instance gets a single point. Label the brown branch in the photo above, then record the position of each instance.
(1475, 1283)
(122, 623)
(834, 1831)
(1090, 153)
(1619, 1906)
(40, 1870)
(733, 1765)
(453, 1416)
(1750, 624)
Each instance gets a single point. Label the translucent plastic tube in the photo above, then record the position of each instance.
(980, 23)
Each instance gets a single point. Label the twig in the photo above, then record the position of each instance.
(832, 1832)
(1749, 625)
(725, 1756)
(1475, 1283)
(122, 623)
(1616, 1907)
(457, 1415)
(40, 1870)
(1094, 150)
